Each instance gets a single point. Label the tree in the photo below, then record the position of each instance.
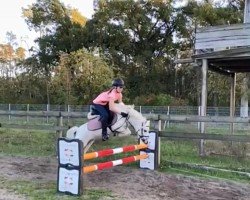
(60, 30)
(90, 75)
(137, 38)
(60, 27)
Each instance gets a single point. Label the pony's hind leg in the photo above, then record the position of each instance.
(71, 133)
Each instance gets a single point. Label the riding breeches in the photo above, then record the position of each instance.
(104, 113)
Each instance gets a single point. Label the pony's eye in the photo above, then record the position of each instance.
(145, 130)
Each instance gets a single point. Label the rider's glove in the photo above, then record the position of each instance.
(124, 114)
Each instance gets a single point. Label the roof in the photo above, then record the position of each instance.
(227, 62)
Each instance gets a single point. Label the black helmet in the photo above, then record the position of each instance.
(118, 82)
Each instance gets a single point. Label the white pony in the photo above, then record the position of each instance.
(91, 131)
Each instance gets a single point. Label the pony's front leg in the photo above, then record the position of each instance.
(127, 132)
(86, 148)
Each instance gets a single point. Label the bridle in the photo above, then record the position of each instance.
(116, 130)
(141, 130)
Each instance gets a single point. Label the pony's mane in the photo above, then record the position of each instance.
(130, 109)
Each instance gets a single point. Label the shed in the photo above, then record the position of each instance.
(225, 50)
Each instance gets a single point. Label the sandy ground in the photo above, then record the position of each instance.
(125, 182)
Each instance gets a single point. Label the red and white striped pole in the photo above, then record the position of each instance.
(113, 163)
(108, 152)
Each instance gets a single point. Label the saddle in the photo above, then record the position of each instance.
(94, 122)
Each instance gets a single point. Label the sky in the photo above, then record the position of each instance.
(11, 19)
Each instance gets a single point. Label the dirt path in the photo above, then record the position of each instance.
(125, 182)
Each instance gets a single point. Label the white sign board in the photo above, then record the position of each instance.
(69, 152)
(69, 181)
(148, 163)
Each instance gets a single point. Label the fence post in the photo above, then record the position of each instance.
(60, 124)
(159, 141)
(199, 114)
(202, 131)
(28, 109)
(68, 109)
(9, 112)
(47, 118)
(168, 115)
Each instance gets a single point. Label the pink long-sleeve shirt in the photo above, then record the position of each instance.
(106, 96)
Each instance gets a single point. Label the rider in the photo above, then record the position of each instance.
(105, 102)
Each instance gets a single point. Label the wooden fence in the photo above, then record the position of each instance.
(62, 116)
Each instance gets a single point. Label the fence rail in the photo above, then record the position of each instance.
(185, 118)
(199, 136)
(34, 127)
(44, 114)
(61, 116)
(165, 117)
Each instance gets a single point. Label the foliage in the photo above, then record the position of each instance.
(79, 76)
(7, 53)
(207, 13)
(158, 100)
(77, 18)
(137, 37)
(60, 27)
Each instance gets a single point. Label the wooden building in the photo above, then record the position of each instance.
(226, 50)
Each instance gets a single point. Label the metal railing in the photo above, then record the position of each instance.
(169, 110)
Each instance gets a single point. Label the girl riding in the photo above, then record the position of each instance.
(104, 104)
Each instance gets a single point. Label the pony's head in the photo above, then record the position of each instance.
(135, 119)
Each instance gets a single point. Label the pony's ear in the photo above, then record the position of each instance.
(131, 106)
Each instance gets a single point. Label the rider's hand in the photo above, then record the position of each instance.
(124, 114)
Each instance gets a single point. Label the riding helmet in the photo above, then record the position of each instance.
(118, 82)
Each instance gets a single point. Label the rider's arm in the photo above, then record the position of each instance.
(122, 103)
(112, 106)
(120, 100)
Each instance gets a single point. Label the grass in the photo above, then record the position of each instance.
(176, 154)
(41, 191)
(37, 143)
(187, 152)
(27, 142)
(173, 155)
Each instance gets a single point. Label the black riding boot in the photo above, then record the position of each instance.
(105, 135)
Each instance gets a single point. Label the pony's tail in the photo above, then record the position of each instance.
(71, 133)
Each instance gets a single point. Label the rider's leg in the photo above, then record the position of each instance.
(104, 120)
(104, 114)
